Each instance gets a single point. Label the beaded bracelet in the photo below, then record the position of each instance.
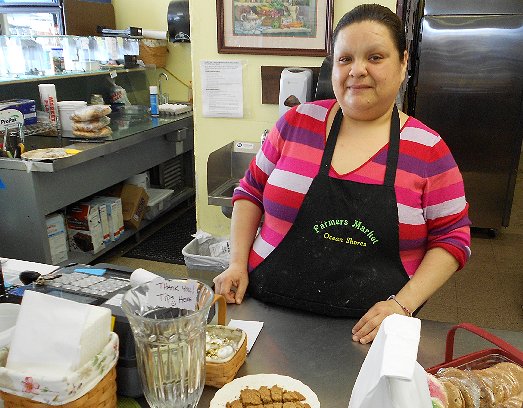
(405, 310)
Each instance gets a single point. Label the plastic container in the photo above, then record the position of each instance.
(479, 359)
(65, 110)
(158, 199)
(200, 264)
(153, 97)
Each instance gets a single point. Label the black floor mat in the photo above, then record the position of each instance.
(166, 244)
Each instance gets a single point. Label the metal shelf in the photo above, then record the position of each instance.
(32, 78)
(86, 258)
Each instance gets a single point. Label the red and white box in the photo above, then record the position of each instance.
(84, 228)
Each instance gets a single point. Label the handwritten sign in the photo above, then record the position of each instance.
(174, 293)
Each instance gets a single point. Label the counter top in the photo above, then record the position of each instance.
(127, 130)
(318, 350)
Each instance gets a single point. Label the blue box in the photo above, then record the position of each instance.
(26, 106)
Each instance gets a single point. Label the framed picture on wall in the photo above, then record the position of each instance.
(275, 27)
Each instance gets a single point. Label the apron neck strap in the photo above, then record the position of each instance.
(394, 148)
(393, 151)
(331, 143)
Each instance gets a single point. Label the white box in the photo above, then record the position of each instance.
(106, 233)
(114, 215)
(158, 197)
(84, 228)
(57, 236)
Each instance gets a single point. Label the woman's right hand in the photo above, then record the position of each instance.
(232, 284)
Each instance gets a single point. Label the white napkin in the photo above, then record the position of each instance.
(47, 340)
(251, 328)
(140, 276)
(390, 376)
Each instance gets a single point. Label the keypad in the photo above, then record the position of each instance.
(89, 284)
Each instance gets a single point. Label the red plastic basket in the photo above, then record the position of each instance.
(479, 359)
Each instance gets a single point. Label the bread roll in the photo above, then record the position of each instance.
(512, 402)
(454, 397)
(487, 399)
(515, 370)
(501, 380)
(462, 379)
(91, 125)
(104, 132)
(90, 112)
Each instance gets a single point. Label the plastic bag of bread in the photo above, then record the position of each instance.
(512, 402)
(498, 386)
(438, 394)
(462, 379)
(103, 132)
(90, 112)
(91, 125)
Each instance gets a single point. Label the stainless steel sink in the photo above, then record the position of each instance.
(223, 195)
(225, 167)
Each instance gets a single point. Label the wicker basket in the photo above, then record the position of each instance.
(154, 52)
(219, 374)
(103, 395)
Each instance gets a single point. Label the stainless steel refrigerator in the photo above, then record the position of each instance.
(466, 82)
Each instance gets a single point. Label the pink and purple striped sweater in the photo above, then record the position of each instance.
(432, 208)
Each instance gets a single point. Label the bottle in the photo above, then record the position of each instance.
(153, 97)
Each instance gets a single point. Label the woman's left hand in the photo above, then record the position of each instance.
(367, 327)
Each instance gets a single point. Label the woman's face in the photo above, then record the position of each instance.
(366, 70)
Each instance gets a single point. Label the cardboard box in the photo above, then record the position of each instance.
(134, 205)
(84, 228)
(26, 106)
(57, 236)
(102, 208)
(113, 206)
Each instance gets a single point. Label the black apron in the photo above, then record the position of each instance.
(341, 255)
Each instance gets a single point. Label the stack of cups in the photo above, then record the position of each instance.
(65, 110)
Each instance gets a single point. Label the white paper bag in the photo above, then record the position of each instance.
(390, 376)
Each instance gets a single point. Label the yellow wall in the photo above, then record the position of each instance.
(213, 133)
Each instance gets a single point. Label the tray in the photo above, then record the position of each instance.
(479, 359)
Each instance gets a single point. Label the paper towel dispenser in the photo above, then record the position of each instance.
(178, 21)
(295, 88)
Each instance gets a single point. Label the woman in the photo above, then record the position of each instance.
(368, 221)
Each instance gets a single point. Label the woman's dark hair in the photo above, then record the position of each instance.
(380, 14)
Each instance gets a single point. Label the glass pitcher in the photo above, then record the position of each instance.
(170, 346)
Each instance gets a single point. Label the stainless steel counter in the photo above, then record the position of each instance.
(128, 131)
(319, 351)
(33, 190)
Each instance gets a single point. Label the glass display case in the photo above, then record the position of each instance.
(31, 57)
(31, 17)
